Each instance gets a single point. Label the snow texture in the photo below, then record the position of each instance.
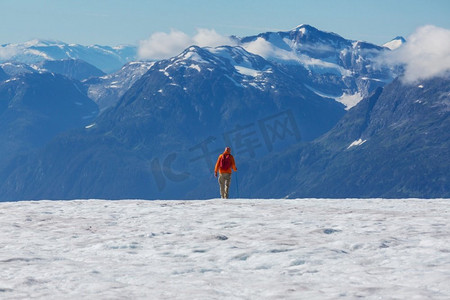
(233, 249)
(350, 100)
(394, 44)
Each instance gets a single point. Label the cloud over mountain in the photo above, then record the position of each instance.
(264, 48)
(425, 55)
(161, 45)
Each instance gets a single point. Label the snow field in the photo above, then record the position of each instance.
(225, 249)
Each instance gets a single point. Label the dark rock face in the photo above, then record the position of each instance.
(71, 68)
(3, 75)
(34, 108)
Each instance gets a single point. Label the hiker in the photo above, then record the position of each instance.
(224, 164)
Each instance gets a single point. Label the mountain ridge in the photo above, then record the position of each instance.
(34, 108)
(178, 107)
(393, 144)
(106, 58)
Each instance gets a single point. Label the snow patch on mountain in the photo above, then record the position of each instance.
(247, 71)
(321, 94)
(350, 100)
(358, 142)
(195, 67)
(191, 54)
(395, 43)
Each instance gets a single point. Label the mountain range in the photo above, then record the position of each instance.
(106, 58)
(393, 144)
(307, 113)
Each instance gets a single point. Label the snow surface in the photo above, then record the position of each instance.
(196, 67)
(394, 44)
(247, 71)
(192, 55)
(350, 100)
(233, 249)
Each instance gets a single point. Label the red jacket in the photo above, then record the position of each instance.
(217, 168)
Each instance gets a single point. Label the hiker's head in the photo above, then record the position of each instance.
(227, 150)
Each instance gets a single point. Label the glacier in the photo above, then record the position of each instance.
(226, 249)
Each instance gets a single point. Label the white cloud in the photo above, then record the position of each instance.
(161, 45)
(426, 54)
(210, 38)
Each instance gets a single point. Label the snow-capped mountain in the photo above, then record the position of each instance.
(14, 68)
(106, 58)
(273, 99)
(194, 102)
(225, 84)
(108, 89)
(338, 68)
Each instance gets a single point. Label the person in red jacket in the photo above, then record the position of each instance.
(225, 163)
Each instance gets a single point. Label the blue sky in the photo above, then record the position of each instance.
(113, 22)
